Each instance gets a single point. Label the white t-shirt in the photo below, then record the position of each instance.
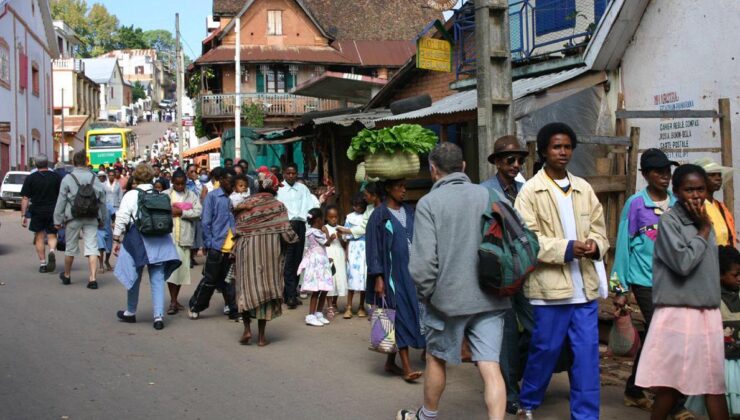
(568, 220)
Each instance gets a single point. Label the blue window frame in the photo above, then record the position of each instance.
(599, 9)
(554, 15)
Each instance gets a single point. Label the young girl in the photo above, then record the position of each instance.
(336, 253)
(356, 261)
(317, 267)
(683, 351)
(729, 268)
(159, 186)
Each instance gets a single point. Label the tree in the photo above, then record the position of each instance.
(138, 91)
(128, 37)
(160, 40)
(95, 26)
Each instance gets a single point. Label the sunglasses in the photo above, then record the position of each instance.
(511, 159)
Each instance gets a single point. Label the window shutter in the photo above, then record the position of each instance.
(599, 8)
(260, 81)
(289, 81)
(23, 71)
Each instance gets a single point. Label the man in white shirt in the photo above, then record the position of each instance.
(298, 200)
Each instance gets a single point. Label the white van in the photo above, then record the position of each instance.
(10, 190)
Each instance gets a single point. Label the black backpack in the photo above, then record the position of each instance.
(85, 205)
(154, 216)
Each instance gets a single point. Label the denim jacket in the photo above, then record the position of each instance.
(217, 219)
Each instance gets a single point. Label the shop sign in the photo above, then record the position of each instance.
(434, 54)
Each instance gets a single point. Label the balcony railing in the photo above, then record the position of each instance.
(275, 104)
(69, 64)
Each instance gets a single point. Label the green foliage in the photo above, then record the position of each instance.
(137, 91)
(95, 26)
(254, 114)
(194, 83)
(411, 138)
(160, 40)
(200, 129)
(128, 37)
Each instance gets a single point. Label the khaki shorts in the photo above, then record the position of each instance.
(88, 229)
(444, 335)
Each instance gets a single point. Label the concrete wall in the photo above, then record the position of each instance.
(22, 28)
(434, 83)
(684, 55)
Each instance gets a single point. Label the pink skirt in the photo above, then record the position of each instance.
(684, 350)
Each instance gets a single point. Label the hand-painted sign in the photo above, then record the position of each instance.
(434, 54)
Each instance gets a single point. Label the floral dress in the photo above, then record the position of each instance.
(315, 265)
(357, 262)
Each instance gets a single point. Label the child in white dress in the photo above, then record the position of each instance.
(338, 256)
(316, 267)
(356, 260)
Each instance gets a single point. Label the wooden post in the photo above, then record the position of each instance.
(725, 133)
(632, 167)
(529, 165)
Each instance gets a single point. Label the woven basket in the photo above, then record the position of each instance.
(392, 166)
(360, 174)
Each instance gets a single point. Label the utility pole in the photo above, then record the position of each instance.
(238, 99)
(61, 141)
(180, 81)
(493, 66)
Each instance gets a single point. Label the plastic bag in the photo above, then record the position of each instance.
(624, 339)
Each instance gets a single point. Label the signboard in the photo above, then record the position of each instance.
(187, 122)
(434, 54)
(214, 160)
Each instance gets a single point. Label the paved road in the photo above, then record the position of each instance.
(63, 353)
(148, 132)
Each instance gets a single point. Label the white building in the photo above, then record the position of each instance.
(27, 45)
(115, 94)
(141, 66)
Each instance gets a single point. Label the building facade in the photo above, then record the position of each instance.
(115, 95)
(27, 45)
(141, 66)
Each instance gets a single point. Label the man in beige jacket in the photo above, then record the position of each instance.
(562, 209)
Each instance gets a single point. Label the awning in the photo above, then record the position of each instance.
(365, 118)
(72, 123)
(274, 54)
(281, 141)
(348, 87)
(209, 146)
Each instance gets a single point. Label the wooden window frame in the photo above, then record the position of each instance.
(276, 28)
(35, 79)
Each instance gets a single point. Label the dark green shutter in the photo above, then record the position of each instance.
(260, 81)
(289, 82)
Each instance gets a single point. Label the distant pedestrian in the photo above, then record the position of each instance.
(684, 351)
(186, 211)
(40, 191)
(80, 209)
(155, 252)
(444, 265)
(113, 192)
(388, 241)
(337, 253)
(564, 212)
(218, 238)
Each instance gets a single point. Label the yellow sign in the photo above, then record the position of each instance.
(434, 54)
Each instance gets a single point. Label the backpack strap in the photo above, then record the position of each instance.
(75, 179)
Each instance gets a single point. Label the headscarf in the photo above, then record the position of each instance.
(268, 182)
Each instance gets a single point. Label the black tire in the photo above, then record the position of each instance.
(3, 205)
(410, 104)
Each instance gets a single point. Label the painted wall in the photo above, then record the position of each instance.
(297, 26)
(22, 28)
(685, 55)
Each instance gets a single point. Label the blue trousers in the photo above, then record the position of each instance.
(552, 324)
(156, 280)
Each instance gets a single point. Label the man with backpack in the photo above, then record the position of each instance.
(444, 265)
(80, 209)
(564, 212)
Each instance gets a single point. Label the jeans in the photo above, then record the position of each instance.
(214, 276)
(580, 324)
(518, 327)
(156, 280)
(293, 257)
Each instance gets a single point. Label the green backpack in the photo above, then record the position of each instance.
(508, 253)
(154, 216)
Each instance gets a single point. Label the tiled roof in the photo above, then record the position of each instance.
(359, 19)
(72, 123)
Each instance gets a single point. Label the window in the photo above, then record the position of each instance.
(35, 88)
(139, 70)
(111, 92)
(22, 71)
(274, 22)
(554, 15)
(4, 64)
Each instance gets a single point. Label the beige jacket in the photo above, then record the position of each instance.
(538, 207)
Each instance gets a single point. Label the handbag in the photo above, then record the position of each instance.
(383, 330)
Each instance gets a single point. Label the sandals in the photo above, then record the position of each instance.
(684, 414)
(413, 376)
(172, 310)
(643, 402)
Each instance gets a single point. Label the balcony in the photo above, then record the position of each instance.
(75, 64)
(275, 104)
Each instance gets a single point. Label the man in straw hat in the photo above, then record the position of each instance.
(722, 218)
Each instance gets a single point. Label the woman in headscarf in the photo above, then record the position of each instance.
(388, 241)
(261, 224)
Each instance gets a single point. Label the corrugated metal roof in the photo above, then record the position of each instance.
(468, 100)
(376, 53)
(99, 70)
(365, 118)
(273, 54)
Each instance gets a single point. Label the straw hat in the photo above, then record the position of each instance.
(712, 167)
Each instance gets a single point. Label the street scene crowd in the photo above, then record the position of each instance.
(269, 242)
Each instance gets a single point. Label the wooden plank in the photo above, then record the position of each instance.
(632, 163)
(682, 113)
(607, 140)
(725, 134)
(608, 183)
(691, 149)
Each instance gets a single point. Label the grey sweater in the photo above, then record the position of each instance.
(68, 191)
(444, 252)
(685, 265)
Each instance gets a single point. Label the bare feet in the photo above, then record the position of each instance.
(393, 369)
(108, 266)
(262, 342)
(246, 337)
(412, 376)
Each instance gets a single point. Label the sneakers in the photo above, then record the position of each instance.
(313, 321)
(321, 318)
(227, 311)
(65, 280)
(524, 414)
(158, 324)
(512, 407)
(51, 262)
(407, 415)
(130, 319)
(43, 269)
(193, 315)
(303, 295)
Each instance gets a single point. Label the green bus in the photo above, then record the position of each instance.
(106, 146)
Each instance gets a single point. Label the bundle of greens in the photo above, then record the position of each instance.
(409, 138)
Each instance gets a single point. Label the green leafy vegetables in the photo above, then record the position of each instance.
(411, 138)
